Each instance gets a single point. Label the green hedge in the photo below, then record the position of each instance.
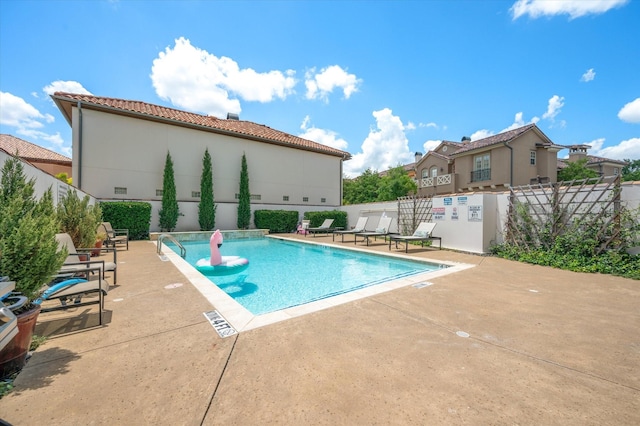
(276, 221)
(132, 215)
(316, 218)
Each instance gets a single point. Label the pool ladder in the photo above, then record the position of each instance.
(162, 237)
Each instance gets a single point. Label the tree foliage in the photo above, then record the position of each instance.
(631, 171)
(576, 170)
(207, 207)
(28, 248)
(370, 186)
(244, 198)
(79, 219)
(169, 212)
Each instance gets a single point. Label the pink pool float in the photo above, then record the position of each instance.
(217, 264)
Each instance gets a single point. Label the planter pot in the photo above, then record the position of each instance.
(14, 356)
(98, 245)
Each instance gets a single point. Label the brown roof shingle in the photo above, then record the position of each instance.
(30, 151)
(238, 128)
(497, 139)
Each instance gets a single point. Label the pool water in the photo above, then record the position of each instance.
(283, 274)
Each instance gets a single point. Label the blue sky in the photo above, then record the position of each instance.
(379, 79)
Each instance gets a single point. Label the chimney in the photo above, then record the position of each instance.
(578, 152)
(232, 116)
(465, 139)
(418, 156)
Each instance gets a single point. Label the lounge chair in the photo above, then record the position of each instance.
(73, 264)
(423, 233)
(360, 227)
(72, 290)
(324, 228)
(115, 236)
(382, 230)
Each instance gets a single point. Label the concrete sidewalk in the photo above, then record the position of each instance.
(500, 343)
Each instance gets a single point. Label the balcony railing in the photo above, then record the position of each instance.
(435, 181)
(480, 175)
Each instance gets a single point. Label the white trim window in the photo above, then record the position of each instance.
(434, 171)
(532, 158)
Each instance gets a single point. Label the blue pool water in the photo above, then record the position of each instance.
(282, 274)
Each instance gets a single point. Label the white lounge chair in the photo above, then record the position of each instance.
(423, 233)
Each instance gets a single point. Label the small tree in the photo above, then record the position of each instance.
(244, 201)
(169, 212)
(631, 171)
(206, 208)
(396, 183)
(28, 248)
(79, 219)
(576, 170)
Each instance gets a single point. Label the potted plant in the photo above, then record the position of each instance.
(79, 219)
(100, 237)
(28, 254)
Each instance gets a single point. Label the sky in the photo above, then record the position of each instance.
(379, 79)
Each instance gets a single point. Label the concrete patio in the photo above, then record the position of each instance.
(499, 343)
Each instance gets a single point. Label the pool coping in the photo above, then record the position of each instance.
(241, 319)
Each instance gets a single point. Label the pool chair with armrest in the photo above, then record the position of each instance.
(360, 227)
(69, 291)
(74, 264)
(324, 228)
(115, 236)
(423, 233)
(382, 230)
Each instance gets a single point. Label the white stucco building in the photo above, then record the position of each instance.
(120, 147)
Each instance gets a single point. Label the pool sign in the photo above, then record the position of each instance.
(454, 214)
(438, 213)
(220, 324)
(462, 201)
(475, 213)
(448, 201)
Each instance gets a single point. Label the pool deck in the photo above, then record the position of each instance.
(499, 343)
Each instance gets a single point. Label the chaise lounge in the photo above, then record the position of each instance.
(360, 227)
(382, 230)
(324, 228)
(423, 233)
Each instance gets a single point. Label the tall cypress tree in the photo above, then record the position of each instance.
(244, 201)
(169, 211)
(206, 208)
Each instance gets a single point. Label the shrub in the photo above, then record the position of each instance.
(132, 215)
(244, 201)
(316, 218)
(169, 211)
(79, 219)
(206, 208)
(276, 221)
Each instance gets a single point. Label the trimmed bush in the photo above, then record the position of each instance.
(169, 212)
(316, 218)
(244, 202)
(276, 221)
(132, 215)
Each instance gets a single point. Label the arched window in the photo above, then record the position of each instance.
(425, 173)
(434, 171)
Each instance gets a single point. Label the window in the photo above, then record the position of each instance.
(285, 198)
(195, 194)
(120, 190)
(434, 171)
(532, 158)
(425, 173)
(251, 196)
(159, 192)
(305, 199)
(615, 171)
(323, 200)
(481, 168)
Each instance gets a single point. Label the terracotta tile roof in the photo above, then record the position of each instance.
(592, 159)
(238, 128)
(30, 151)
(498, 139)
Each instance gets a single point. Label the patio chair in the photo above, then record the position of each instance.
(115, 236)
(382, 230)
(324, 228)
(303, 227)
(360, 227)
(74, 264)
(423, 233)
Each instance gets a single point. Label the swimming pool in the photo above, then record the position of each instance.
(241, 319)
(283, 274)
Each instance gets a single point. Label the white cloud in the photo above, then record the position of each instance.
(630, 112)
(588, 76)
(629, 149)
(385, 147)
(573, 8)
(323, 136)
(430, 124)
(430, 145)
(197, 80)
(66, 86)
(16, 112)
(555, 105)
(518, 121)
(320, 85)
(410, 126)
(481, 134)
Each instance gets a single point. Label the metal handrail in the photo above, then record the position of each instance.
(161, 237)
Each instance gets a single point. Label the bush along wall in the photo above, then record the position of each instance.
(132, 215)
(316, 218)
(276, 221)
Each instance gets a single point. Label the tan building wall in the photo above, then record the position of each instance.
(130, 153)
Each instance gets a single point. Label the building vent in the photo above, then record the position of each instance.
(232, 116)
(466, 139)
